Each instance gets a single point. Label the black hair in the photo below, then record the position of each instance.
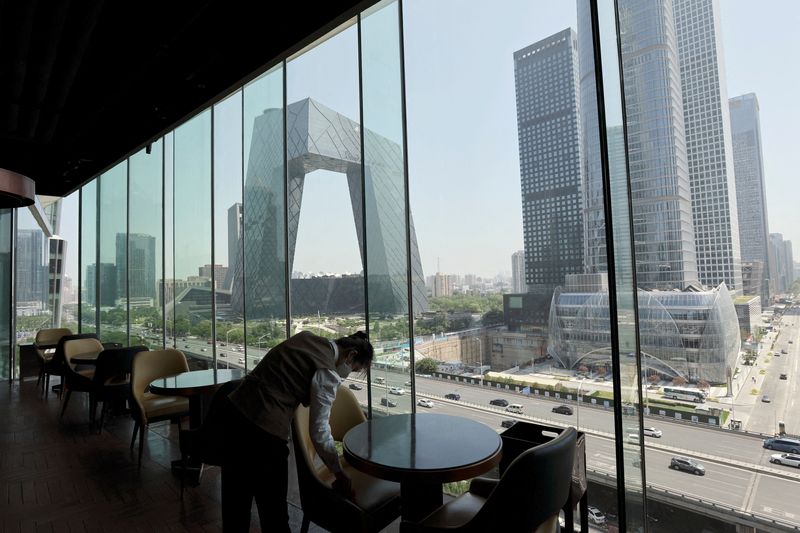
(358, 341)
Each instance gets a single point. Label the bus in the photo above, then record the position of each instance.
(678, 393)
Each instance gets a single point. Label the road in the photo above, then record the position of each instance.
(738, 472)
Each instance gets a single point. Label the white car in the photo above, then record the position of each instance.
(633, 437)
(399, 391)
(241, 360)
(652, 432)
(424, 402)
(788, 459)
(596, 516)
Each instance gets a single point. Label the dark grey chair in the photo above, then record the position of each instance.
(527, 498)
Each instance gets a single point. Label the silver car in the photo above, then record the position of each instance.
(788, 459)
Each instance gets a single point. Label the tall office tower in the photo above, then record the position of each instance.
(106, 295)
(442, 285)
(234, 241)
(550, 148)
(659, 173)
(788, 262)
(518, 272)
(220, 273)
(751, 197)
(140, 268)
(31, 274)
(708, 143)
(781, 267)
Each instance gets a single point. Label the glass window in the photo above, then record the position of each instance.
(111, 269)
(88, 258)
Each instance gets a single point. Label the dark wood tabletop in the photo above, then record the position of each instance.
(422, 447)
(195, 382)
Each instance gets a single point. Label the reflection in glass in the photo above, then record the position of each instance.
(111, 269)
(69, 231)
(191, 293)
(6, 303)
(229, 326)
(88, 258)
(145, 247)
(258, 225)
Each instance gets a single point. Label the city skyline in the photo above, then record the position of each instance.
(752, 66)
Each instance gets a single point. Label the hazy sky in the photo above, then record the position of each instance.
(462, 131)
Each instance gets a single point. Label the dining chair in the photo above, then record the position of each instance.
(76, 379)
(111, 382)
(203, 445)
(147, 407)
(44, 338)
(528, 497)
(376, 502)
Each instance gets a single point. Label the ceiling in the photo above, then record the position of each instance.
(84, 83)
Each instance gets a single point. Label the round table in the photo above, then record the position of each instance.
(196, 385)
(422, 451)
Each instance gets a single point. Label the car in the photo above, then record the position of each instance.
(782, 444)
(241, 360)
(354, 386)
(398, 391)
(632, 437)
(424, 402)
(563, 410)
(203, 350)
(186, 346)
(784, 376)
(788, 459)
(784, 352)
(652, 432)
(452, 396)
(388, 403)
(499, 401)
(766, 399)
(221, 344)
(790, 342)
(508, 423)
(596, 516)
(222, 354)
(407, 383)
(687, 465)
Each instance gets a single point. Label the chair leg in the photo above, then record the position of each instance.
(142, 432)
(92, 411)
(102, 417)
(41, 374)
(66, 401)
(46, 384)
(183, 473)
(135, 430)
(306, 523)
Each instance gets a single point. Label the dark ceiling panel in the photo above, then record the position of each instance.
(83, 83)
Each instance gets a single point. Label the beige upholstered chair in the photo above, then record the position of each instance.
(147, 407)
(44, 338)
(376, 502)
(75, 379)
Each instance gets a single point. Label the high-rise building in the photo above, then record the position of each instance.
(442, 285)
(234, 241)
(31, 273)
(788, 263)
(107, 285)
(550, 148)
(708, 143)
(220, 273)
(751, 197)
(518, 272)
(139, 271)
(781, 268)
(659, 173)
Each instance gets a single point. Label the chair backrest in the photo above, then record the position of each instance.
(45, 337)
(345, 413)
(59, 356)
(149, 366)
(73, 347)
(534, 487)
(308, 468)
(114, 364)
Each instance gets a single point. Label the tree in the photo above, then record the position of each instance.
(679, 380)
(426, 365)
(492, 317)
(703, 385)
(601, 371)
(653, 378)
(583, 369)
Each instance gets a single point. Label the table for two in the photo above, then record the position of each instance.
(422, 451)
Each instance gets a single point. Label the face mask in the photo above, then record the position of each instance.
(343, 370)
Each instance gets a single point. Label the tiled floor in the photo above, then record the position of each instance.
(58, 476)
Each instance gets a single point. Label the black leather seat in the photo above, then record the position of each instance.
(527, 498)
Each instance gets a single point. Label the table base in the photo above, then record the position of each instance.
(418, 500)
(194, 471)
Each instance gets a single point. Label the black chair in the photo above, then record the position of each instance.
(111, 381)
(203, 445)
(77, 379)
(527, 498)
(46, 339)
(56, 365)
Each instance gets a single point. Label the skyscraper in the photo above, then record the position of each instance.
(107, 287)
(139, 269)
(708, 142)
(31, 273)
(751, 197)
(518, 272)
(234, 241)
(550, 148)
(659, 173)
